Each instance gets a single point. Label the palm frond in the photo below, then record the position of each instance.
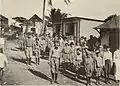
(67, 1)
(50, 2)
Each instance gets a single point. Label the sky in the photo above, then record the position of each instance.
(97, 9)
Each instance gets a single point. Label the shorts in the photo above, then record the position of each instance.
(29, 52)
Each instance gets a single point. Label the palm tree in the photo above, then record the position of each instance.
(56, 16)
(50, 3)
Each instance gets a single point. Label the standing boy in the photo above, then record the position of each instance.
(54, 57)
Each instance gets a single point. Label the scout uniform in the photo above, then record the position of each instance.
(21, 39)
(66, 55)
(54, 57)
(43, 44)
(88, 65)
(72, 53)
(36, 48)
(79, 60)
(98, 66)
(28, 49)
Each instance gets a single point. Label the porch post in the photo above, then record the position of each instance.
(75, 29)
(63, 29)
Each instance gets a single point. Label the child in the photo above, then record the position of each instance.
(72, 53)
(37, 50)
(78, 60)
(54, 56)
(98, 66)
(88, 65)
(66, 54)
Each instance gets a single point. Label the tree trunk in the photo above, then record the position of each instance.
(43, 17)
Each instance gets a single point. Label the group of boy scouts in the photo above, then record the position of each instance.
(65, 49)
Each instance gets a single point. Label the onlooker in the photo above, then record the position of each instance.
(116, 59)
(98, 66)
(2, 44)
(79, 60)
(88, 66)
(3, 63)
(108, 63)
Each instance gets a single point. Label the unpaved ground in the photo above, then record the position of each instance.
(18, 73)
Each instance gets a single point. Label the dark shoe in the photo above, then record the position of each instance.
(56, 82)
(106, 82)
(109, 82)
(99, 83)
(52, 82)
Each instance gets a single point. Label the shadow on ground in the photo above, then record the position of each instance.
(21, 60)
(39, 74)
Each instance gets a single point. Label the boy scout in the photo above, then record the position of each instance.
(98, 66)
(54, 57)
(88, 65)
(36, 48)
(28, 48)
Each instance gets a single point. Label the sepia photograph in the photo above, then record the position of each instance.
(60, 42)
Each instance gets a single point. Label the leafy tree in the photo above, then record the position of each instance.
(50, 3)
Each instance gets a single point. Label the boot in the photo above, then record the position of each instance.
(29, 61)
(38, 61)
(52, 78)
(87, 81)
(56, 76)
(96, 80)
(26, 60)
(99, 80)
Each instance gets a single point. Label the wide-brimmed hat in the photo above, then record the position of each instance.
(100, 46)
(86, 47)
(97, 51)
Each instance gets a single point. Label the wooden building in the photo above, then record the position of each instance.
(77, 26)
(110, 32)
(34, 24)
(3, 24)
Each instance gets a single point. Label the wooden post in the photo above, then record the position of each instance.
(75, 30)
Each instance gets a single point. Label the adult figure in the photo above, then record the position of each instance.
(108, 64)
(3, 62)
(90, 43)
(2, 44)
(116, 59)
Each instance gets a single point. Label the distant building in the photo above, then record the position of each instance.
(110, 32)
(34, 25)
(77, 26)
(3, 23)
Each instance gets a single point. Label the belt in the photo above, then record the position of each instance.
(29, 46)
(66, 53)
(55, 57)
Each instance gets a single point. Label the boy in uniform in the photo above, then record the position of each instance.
(88, 65)
(66, 55)
(54, 57)
(78, 60)
(29, 48)
(98, 66)
(36, 48)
